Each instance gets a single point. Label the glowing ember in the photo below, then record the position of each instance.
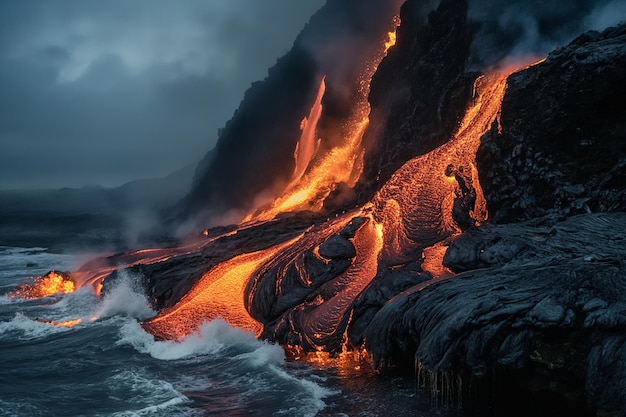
(392, 34)
(69, 323)
(218, 294)
(51, 283)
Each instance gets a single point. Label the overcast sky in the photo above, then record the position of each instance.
(101, 92)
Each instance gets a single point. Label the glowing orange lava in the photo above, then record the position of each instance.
(392, 35)
(342, 164)
(218, 294)
(325, 317)
(416, 205)
(45, 286)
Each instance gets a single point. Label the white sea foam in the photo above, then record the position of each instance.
(141, 389)
(125, 299)
(211, 338)
(311, 403)
(166, 408)
(24, 328)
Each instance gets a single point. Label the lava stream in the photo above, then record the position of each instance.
(417, 205)
(327, 318)
(218, 294)
(310, 186)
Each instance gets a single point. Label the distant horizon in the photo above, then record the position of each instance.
(192, 166)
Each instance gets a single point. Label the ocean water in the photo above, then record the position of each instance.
(112, 367)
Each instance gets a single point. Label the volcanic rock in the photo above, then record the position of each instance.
(537, 304)
(552, 307)
(561, 145)
(420, 90)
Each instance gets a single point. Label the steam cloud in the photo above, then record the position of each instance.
(533, 27)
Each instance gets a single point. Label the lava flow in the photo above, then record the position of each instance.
(435, 195)
(315, 178)
(217, 295)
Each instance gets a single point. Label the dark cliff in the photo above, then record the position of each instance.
(420, 90)
(536, 304)
(561, 147)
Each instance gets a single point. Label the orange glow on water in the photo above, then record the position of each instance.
(346, 363)
(69, 323)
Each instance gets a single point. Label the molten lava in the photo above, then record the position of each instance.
(343, 164)
(435, 195)
(51, 283)
(217, 295)
(308, 143)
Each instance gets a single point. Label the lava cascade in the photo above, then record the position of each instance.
(312, 183)
(411, 214)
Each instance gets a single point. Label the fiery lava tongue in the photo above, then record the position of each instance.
(218, 295)
(438, 194)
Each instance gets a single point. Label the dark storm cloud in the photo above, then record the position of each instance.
(96, 92)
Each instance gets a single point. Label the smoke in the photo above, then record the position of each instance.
(606, 15)
(517, 28)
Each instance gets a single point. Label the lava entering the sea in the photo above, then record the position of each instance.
(301, 288)
(49, 284)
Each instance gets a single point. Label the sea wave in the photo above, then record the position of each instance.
(211, 338)
(126, 298)
(135, 387)
(24, 328)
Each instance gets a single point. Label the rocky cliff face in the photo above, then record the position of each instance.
(561, 144)
(420, 90)
(537, 302)
(254, 155)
